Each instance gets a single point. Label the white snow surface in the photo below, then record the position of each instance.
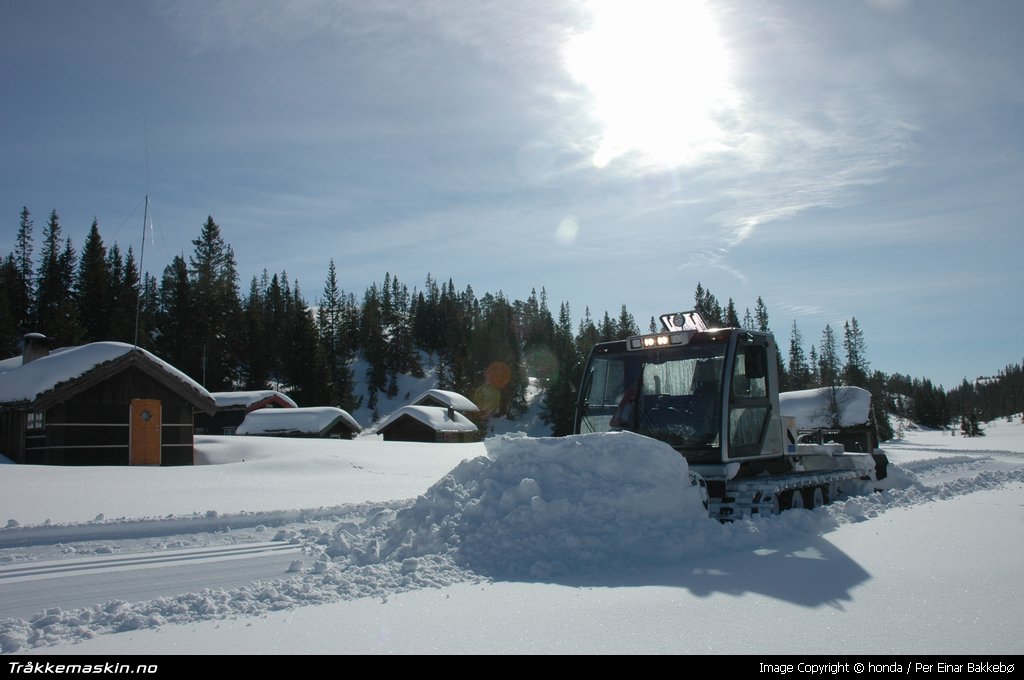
(810, 407)
(26, 382)
(307, 420)
(10, 364)
(448, 398)
(588, 544)
(246, 399)
(434, 416)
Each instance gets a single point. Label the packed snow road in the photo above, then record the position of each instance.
(29, 588)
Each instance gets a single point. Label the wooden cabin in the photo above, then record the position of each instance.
(428, 424)
(324, 422)
(232, 407)
(104, 403)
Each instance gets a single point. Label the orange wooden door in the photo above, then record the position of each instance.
(145, 432)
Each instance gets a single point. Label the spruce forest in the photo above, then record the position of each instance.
(196, 317)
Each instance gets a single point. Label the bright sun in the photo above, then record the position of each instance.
(659, 74)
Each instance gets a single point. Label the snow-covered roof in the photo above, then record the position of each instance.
(449, 399)
(28, 382)
(250, 398)
(308, 420)
(9, 364)
(434, 416)
(811, 407)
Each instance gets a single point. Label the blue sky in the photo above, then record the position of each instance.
(858, 159)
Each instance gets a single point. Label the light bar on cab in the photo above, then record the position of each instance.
(658, 340)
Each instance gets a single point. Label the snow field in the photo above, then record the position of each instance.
(530, 510)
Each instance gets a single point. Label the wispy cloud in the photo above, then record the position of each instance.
(817, 144)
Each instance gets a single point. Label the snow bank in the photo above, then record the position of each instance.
(537, 507)
(256, 474)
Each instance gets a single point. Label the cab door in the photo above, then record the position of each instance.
(750, 403)
(144, 436)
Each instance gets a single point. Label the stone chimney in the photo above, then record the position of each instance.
(451, 414)
(34, 346)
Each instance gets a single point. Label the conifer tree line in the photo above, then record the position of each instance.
(349, 351)
(336, 348)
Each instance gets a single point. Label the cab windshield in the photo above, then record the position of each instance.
(674, 395)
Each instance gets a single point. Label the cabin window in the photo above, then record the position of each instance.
(36, 421)
(228, 431)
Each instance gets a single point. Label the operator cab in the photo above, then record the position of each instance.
(709, 393)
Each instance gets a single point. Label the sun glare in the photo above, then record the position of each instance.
(658, 73)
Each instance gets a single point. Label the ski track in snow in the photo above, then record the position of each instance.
(523, 513)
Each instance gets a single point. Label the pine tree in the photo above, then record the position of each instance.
(55, 313)
(882, 403)
(828, 362)
(217, 307)
(303, 361)
(761, 316)
(338, 349)
(813, 368)
(855, 370)
(970, 425)
(125, 302)
(537, 330)
(374, 346)
(559, 406)
(607, 331)
(748, 321)
(148, 314)
(587, 335)
(94, 289)
(427, 319)
(799, 375)
(20, 284)
(499, 385)
(626, 326)
(176, 342)
(8, 324)
(731, 319)
(402, 355)
(707, 305)
(23, 251)
(255, 365)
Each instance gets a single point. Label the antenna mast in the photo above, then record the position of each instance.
(142, 260)
(142, 251)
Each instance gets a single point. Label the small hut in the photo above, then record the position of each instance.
(232, 407)
(324, 422)
(428, 424)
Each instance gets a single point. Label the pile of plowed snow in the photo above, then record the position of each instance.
(536, 507)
